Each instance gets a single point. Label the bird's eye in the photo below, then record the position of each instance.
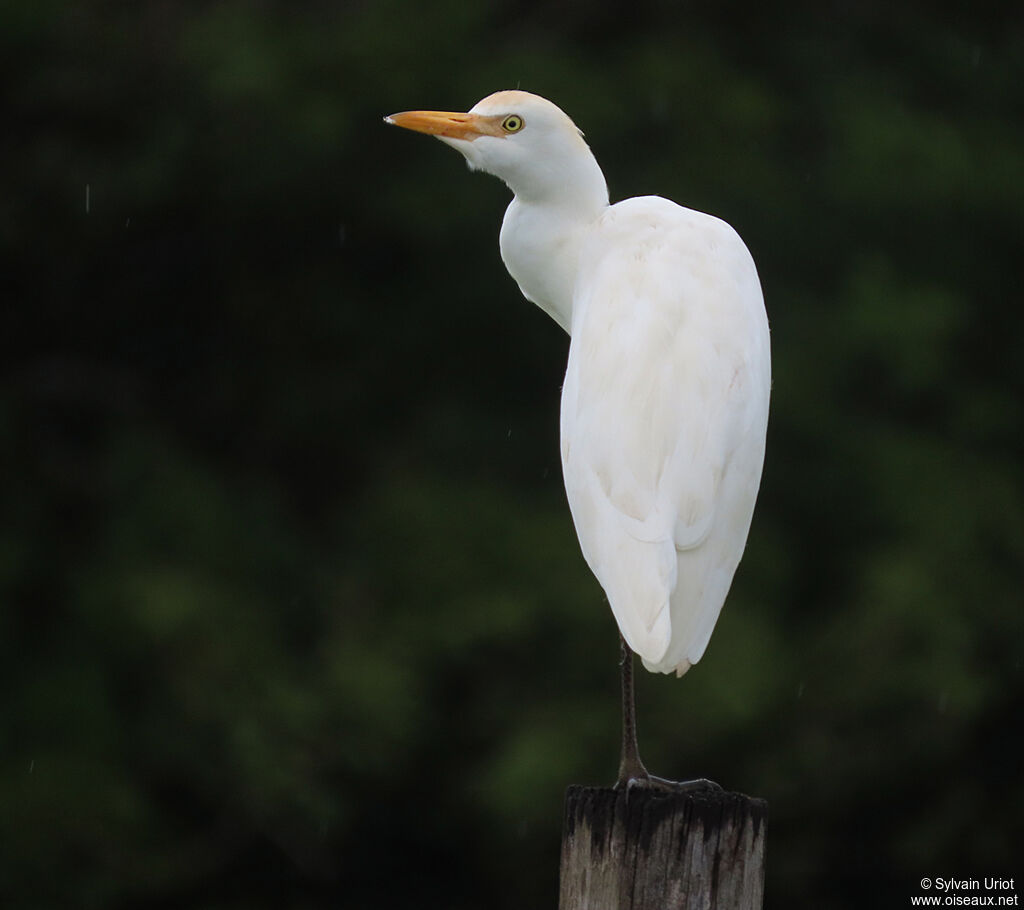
(513, 123)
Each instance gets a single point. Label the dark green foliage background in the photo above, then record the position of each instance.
(293, 614)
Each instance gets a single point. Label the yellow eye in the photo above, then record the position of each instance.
(513, 123)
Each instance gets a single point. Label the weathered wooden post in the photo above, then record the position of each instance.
(653, 850)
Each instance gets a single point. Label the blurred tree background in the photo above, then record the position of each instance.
(293, 614)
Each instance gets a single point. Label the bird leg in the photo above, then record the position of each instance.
(631, 768)
(632, 772)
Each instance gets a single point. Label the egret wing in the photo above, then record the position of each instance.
(664, 410)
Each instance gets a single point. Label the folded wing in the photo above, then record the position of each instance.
(664, 411)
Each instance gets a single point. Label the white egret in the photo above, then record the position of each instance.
(665, 400)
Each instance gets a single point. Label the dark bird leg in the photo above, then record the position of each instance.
(631, 769)
(632, 772)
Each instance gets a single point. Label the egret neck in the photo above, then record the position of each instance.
(544, 229)
(560, 191)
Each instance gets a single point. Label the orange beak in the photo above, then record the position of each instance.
(448, 124)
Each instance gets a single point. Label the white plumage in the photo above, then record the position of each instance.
(665, 401)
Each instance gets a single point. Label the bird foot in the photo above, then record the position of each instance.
(647, 781)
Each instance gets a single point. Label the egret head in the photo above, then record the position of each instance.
(524, 139)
